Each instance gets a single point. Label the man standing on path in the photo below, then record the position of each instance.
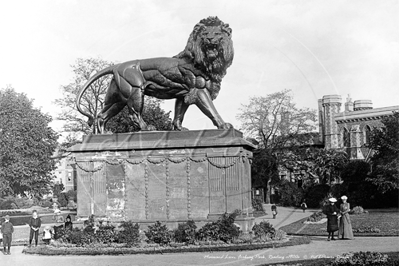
(7, 229)
(34, 224)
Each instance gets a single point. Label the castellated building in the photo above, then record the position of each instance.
(349, 128)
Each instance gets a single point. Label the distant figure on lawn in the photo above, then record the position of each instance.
(7, 229)
(304, 206)
(34, 225)
(332, 218)
(345, 226)
(274, 211)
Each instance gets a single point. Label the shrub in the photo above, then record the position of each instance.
(223, 229)
(257, 204)
(158, 233)
(315, 195)
(185, 232)
(290, 194)
(264, 230)
(105, 234)
(358, 210)
(315, 217)
(129, 233)
(63, 199)
(360, 258)
(45, 203)
(366, 229)
(279, 235)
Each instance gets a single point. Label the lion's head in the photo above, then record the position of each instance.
(210, 47)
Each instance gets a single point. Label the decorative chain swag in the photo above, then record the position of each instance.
(198, 160)
(131, 161)
(114, 162)
(211, 161)
(88, 169)
(155, 161)
(177, 160)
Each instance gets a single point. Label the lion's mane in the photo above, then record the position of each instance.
(210, 33)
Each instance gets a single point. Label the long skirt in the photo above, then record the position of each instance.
(345, 227)
(332, 223)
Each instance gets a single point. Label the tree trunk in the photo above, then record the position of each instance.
(267, 192)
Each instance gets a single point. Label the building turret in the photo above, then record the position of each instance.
(331, 105)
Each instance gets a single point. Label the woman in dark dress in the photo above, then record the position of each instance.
(332, 218)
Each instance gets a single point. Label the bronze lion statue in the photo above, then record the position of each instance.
(191, 77)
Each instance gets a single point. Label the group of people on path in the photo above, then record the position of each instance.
(337, 218)
(7, 229)
(344, 227)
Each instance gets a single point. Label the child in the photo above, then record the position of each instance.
(274, 211)
(34, 224)
(47, 235)
(7, 229)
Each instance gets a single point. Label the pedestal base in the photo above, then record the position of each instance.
(166, 176)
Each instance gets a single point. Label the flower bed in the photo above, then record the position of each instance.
(220, 235)
(158, 249)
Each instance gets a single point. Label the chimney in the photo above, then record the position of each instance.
(363, 105)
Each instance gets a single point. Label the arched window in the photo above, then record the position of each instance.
(346, 138)
(367, 133)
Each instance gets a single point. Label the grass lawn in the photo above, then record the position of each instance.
(367, 224)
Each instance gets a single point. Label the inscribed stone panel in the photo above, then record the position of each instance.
(135, 192)
(156, 191)
(217, 186)
(177, 190)
(199, 190)
(116, 191)
(83, 192)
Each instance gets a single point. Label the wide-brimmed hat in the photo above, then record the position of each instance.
(344, 197)
(332, 200)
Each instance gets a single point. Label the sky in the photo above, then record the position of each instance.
(313, 48)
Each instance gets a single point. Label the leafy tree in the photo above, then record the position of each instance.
(153, 114)
(328, 164)
(275, 121)
(93, 100)
(278, 125)
(27, 144)
(385, 160)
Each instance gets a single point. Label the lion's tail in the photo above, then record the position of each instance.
(105, 71)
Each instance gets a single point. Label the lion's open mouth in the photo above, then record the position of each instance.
(211, 51)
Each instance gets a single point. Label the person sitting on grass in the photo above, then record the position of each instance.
(47, 235)
(68, 223)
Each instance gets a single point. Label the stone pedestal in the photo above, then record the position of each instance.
(168, 176)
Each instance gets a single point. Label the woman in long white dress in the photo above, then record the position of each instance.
(345, 226)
